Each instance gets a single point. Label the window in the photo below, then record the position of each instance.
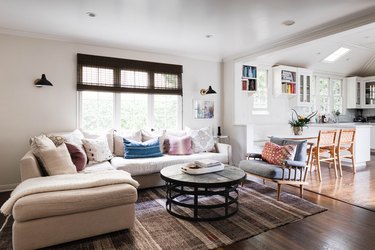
(260, 98)
(330, 95)
(128, 94)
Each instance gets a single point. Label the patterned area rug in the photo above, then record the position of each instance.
(155, 228)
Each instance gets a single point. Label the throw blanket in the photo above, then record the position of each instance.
(66, 182)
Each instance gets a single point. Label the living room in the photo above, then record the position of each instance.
(211, 46)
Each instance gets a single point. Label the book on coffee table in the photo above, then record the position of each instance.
(207, 163)
(193, 168)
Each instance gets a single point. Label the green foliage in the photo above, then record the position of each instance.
(301, 121)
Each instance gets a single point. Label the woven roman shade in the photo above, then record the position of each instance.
(99, 73)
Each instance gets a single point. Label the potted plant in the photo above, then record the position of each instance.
(297, 123)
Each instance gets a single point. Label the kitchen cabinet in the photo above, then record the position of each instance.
(304, 87)
(368, 85)
(372, 137)
(354, 92)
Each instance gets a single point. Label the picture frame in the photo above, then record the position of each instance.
(203, 109)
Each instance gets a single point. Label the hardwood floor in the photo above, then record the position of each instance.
(343, 226)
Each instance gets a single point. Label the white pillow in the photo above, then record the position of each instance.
(97, 150)
(57, 161)
(39, 143)
(118, 140)
(148, 135)
(202, 139)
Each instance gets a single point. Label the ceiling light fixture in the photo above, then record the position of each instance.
(209, 36)
(288, 22)
(91, 14)
(336, 55)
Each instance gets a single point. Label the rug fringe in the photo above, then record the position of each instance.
(5, 222)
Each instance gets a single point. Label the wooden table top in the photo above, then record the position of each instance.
(228, 176)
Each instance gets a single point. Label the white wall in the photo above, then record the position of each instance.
(26, 111)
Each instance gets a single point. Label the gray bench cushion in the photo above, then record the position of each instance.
(264, 169)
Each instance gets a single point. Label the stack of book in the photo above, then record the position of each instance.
(202, 167)
(207, 163)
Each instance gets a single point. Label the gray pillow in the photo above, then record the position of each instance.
(300, 150)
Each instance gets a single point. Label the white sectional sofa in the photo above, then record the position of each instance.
(59, 221)
(145, 170)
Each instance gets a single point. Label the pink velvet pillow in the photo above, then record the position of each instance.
(275, 154)
(180, 145)
(78, 155)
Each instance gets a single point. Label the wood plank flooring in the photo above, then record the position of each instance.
(343, 226)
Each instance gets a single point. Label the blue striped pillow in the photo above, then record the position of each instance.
(135, 149)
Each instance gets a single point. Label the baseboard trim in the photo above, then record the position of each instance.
(8, 187)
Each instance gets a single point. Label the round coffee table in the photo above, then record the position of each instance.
(204, 197)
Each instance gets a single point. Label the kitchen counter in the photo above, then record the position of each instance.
(362, 152)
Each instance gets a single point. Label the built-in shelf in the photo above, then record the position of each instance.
(249, 78)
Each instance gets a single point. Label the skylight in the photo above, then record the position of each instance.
(336, 55)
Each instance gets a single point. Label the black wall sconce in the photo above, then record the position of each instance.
(207, 91)
(42, 82)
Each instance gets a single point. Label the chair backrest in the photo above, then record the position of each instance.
(300, 150)
(347, 137)
(327, 138)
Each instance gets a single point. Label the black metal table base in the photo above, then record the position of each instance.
(184, 202)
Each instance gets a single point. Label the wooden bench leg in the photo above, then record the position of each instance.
(301, 191)
(278, 191)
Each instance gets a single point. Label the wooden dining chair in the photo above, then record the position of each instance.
(326, 145)
(345, 147)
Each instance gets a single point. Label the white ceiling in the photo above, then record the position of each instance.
(359, 61)
(176, 26)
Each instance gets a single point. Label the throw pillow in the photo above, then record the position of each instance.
(57, 161)
(39, 143)
(148, 135)
(275, 154)
(202, 140)
(180, 145)
(118, 140)
(97, 150)
(78, 156)
(57, 139)
(135, 149)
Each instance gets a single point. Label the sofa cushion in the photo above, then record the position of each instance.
(148, 135)
(264, 169)
(49, 204)
(97, 150)
(300, 150)
(39, 143)
(275, 154)
(180, 145)
(95, 167)
(202, 139)
(78, 156)
(144, 166)
(134, 149)
(57, 161)
(118, 140)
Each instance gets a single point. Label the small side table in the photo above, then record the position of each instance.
(222, 138)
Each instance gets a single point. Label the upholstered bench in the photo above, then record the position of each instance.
(292, 172)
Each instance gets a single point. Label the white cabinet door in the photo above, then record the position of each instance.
(304, 86)
(353, 92)
(372, 137)
(368, 85)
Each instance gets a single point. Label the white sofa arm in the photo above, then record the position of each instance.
(29, 167)
(225, 149)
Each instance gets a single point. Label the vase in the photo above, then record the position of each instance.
(297, 130)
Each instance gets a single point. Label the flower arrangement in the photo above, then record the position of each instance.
(301, 121)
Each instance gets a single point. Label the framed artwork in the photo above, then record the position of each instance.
(203, 109)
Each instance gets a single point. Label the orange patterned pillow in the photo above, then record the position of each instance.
(275, 154)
